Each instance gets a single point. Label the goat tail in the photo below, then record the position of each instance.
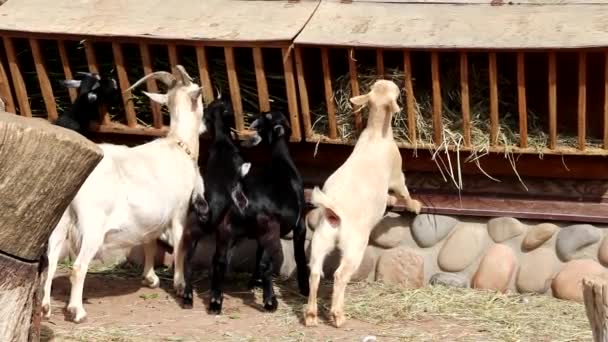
(320, 199)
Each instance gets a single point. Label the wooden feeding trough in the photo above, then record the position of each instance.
(44, 42)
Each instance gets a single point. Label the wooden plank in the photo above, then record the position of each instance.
(522, 107)
(464, 95)
(235, 92)
(209, 21)
(493, 98)
(5, 90)
(606, 100)
(552, 100)
(89, 50)
(18, 82)
(292, 96)
(354, 87)
(173, 60)
(449, 26)
(582, 100)
(410, 99)
(203, 71)
(43, 79)
(67, 71)
(306, 121)
(146, 62)
(486, 2)
(437, 102)
(123, 81)
(380, 64)
(260, 79)
(329, 95)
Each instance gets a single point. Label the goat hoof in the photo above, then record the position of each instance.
(187, 302)
(311, 319)
(271, 305)
(253, 283)
(215, 308)
(46, 311)
(76, 315)
(151, 282)
(338, 319)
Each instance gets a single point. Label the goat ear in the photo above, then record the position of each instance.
(158, 98)
(255, 124)
(194, 94)
(238, 198)
(244, 169)
(279, 130)
(394, 107)
(71, 83)
(253, 141)
(92, 97)
(360, 100)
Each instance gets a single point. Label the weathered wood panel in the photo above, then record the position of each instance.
(209, 20)
(455, 26)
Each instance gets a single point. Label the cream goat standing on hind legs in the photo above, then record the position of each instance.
(134, 194)
(354, 198)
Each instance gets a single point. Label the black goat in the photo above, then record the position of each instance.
(275, 202)
(93, 90)
(223, 191)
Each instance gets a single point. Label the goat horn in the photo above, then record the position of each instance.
(167, 78)
(186, 79)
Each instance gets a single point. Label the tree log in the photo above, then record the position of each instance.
(595, 294)
(42, 167)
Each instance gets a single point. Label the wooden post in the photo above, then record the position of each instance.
(595, 295)
(43, 166)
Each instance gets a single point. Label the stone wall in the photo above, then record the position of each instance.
(502, 253)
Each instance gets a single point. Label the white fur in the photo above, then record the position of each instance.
(132, 196)
(357, 194)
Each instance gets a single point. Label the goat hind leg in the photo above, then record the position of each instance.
(150, 278)
(322, 243)
(220, 262)
(190, 243)
(56, 241)
(178, 252)
(256, 278)
(271, 243)
(352, 254)
(299, 239)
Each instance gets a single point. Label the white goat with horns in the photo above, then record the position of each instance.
(134, 194)
(354, 198)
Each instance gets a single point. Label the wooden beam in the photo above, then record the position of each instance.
(43, 79)
(123, 81)
(329, 95)
(67, 71)
(235, 91)
(582, 100)
(354, 87)
(380, 63)
(493, 99)
(410, 98)
(18, 82)
(306, 121)
(292, 97)
(437, 102)
(92, 61)
(552, 100)
(521, 100)
(203, 71)
(260, 79)
(5, 90)
(606, 100)
(173, 60)
(464, 95)
(146, 62)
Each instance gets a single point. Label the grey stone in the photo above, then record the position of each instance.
(390, 231)
(538, 235)
(537, 270)
(574, 238)
(461, 248)
(449, 279)
(428, 229)
(504, 228)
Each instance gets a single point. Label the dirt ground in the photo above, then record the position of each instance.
(120, 309)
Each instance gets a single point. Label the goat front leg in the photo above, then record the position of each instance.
(256, 278)
(220, 262)
(190, 243)
(56, 241)
(178, 252)
(397, 185)
(92, 239)
(150, 278)
(271, 244)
